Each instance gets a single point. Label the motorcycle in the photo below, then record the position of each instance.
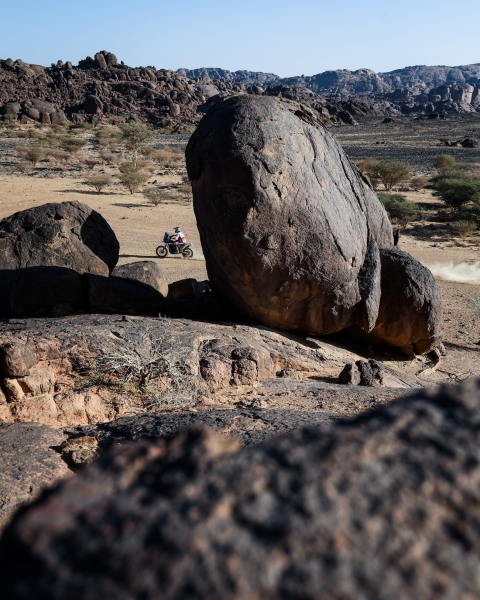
(168, 247)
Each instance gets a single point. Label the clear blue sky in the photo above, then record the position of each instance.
(278, 36)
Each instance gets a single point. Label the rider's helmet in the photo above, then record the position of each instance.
(177, 229)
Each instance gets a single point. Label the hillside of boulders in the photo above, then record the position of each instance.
(418, 89)
(103, 89)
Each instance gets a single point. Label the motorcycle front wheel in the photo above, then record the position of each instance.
(162, 252)
(187, 253)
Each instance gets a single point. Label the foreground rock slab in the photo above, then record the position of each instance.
(383, 506)
(29, 463)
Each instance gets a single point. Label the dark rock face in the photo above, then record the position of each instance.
(384, 506)
(40, 292)
(114, 295)
(29, 463)
(67, 234)
(144, 271)
(411, 314)
(298, 246)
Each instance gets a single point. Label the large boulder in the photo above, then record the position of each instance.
(146, 271)
(383, 506)
(66, 234)
(410, 314)
(290, 230)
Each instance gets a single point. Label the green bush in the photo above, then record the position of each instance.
(135, 136)
(72, 145)
(398, 209)
(458, 191)
(32, 154)
(98, 182)
(156, 196)
(389, 172)
(133, 180)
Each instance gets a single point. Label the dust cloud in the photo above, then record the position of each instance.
(461, 272)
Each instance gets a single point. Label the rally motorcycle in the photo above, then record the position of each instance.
(169, 247)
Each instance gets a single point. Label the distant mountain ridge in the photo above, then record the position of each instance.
(342, 82)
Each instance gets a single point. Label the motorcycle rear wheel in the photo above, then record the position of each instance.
(187, 253)
(162, 252)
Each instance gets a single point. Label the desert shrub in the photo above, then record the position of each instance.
(458, 190)
(80, 126)
(135, 137)
(474, 302)
(444, 140)
(108, 137)
(185, 189)
(22, 167)
(32, 154)
(187, 129)
(391, 173)
(464, 228)
(419, 182)
(133, 180)
(141, 165)
(156, 195)
(153, 366)
(58, 156)
(50, 140)
(398, 209)
(169, 157)
(148, 151)
(444, 163)
(109, 157)
(72, 145)
(89, 162)
(98, 182)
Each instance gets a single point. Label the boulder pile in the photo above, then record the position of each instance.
(303, 242)
(103, 88)
(383, 506)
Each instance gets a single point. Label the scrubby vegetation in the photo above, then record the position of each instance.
(389, 173)
(399, 210)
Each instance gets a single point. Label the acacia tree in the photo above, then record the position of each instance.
(391, 173)
(135, 136)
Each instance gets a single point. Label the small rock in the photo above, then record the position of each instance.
(81, 450)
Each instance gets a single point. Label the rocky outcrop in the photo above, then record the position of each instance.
(410, 314)
(71, 371)
(66, 234)
(302, 232)
(102, 89)
(298, 247)
(376, 507)
(418, 89)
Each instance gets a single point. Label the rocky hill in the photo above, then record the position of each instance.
(411, 89)
(102, 89)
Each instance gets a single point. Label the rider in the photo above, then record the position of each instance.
(178, 238)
